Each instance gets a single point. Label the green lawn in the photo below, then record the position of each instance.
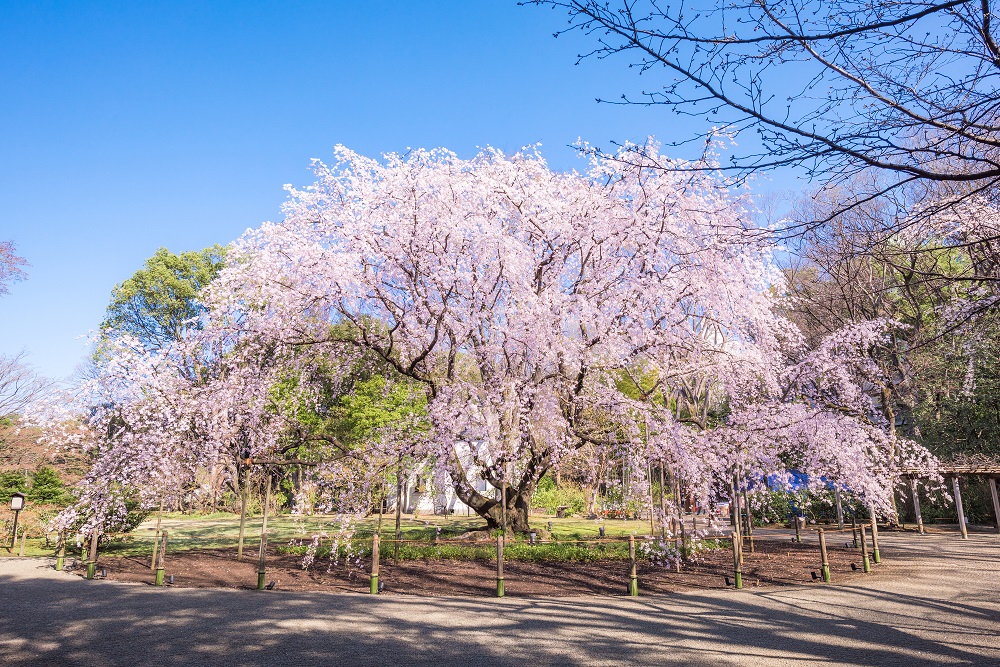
(291, 533)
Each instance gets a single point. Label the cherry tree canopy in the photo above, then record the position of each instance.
(627, 312)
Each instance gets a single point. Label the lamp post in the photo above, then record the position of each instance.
(16, 504)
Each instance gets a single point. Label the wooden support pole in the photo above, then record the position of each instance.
(825, 562)
(399, 511)
(663, 504)
(500, 590)
(243, 512)
(798, 530)
(633, 577)
(854, 528)
(875, 554)
(262, 554)
(996, 501)
(61, 551)
(160, 558)
(156, 540)
(867, 567)
(737, 560)
(916, 506)
(92, 559)
(840, 509)
(375, 555)
(959, 508)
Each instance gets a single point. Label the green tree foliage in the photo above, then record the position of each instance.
(11, 482)
(47, 487)
(158, 301)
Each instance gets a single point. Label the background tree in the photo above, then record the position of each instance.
(10, 266)
(907, 89)
(160, 301)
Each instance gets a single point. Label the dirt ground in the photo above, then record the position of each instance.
(774, 563)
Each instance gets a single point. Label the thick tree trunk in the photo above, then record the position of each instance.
(518, 497)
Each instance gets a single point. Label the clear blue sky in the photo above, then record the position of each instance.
(129, 126)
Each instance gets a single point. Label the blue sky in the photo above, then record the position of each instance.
(129, 126)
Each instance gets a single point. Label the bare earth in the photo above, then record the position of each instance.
(933, 601)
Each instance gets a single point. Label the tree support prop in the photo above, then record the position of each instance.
(375, 555)
(825, 562)
(633, 578)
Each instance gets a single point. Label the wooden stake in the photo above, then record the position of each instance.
(737, 560)
(916, 507)
(375, 556)
(633, 577)
(500, 590)
(825, 566)
(92, 560)
(840, 509)
(156, 540)
(161, 557)
(996, 501)
(399, 510)
(875, 553)
(61, 551)
(262, 554)
(243, 512)
(960, 508)
(864, 551)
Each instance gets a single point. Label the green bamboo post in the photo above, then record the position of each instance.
(262, 556)
(156, 540)
(262, 562)
(243, 512)
(375, 555)
(633, 577)
(500, 590)
(737, 560)
(61, 551)
(867, 567)
(825, 568)
(160, 559)
(875, 554)
(92, 560)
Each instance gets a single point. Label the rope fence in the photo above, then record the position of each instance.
(373, 548)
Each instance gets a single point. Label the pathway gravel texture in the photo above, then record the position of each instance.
(933, 601)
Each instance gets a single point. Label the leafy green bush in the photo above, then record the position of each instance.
(551, 498)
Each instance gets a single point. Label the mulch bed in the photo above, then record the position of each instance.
(774, 563)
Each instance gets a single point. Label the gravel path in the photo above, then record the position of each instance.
(933, 601)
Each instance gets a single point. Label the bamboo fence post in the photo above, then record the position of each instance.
(156, 540)
(375, 556)
(875, 554)
(243, 511)
(825, 562)
(161, 557)
(864, 551)
(960, 508)
(737, 560)
(92, 559)
(399, 510)
(500, 590)
(61, 551)
(916, 507)
(633, 577)
(996, 501)
(262, 555)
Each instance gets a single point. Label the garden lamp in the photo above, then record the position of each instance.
(16, 504)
